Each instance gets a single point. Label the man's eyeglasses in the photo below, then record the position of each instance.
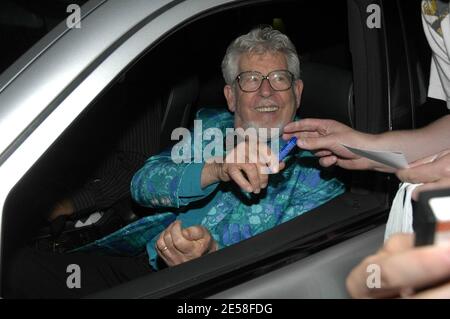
(279, 80)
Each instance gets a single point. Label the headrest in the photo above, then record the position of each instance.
(327, 93)
(211, 92)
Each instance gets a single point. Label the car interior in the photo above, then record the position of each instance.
(347, 76)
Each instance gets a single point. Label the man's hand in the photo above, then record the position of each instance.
(246, 166)
(63, 207)
(325, 139)
(405, 271)
(433, 172)
(176, 245)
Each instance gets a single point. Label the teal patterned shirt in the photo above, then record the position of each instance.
(230, 214)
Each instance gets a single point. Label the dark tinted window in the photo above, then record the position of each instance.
(23, 23)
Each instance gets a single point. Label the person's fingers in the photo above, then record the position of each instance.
(422, 161)
(357, 280)
(416, 268)
(160, 244)
(323, 153)
(398, 243)
(352, 164)
(251, 171)
(274, 167)
(444, 153)
(167, 260)
(408, 270)
(202, 239)
(165, 241)
(234, 172)
(253, 152)
(328, 161)
(168, 237)
(253, 176)
(361, 282)
(274, 162)
(194, 233)
(263, 171)
(318, 143)
(440, 184)
(63, 207)
(440, 292)
(429, 159)
(267, 159)
(163, 250)
(180, 242)
(426, 173)
(310, 125)
(300, 135)
(263, 157)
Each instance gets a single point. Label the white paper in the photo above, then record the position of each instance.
(393, 159)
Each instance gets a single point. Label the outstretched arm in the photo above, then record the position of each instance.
(325, 138)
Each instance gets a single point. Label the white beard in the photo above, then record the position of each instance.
(272, 133)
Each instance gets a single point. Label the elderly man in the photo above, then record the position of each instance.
(219, 200)
(263, 91)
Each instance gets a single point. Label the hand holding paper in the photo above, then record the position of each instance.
(392, 159)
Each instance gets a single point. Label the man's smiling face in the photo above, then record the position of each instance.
(264, 108)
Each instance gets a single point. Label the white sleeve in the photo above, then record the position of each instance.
(435, 88)
(439, 86)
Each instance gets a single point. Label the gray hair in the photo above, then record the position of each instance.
(259, 41)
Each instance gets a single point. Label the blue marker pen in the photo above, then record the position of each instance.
(287, 148)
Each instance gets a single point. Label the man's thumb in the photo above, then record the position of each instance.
(193, 233)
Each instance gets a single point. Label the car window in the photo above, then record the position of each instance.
(23, 23)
